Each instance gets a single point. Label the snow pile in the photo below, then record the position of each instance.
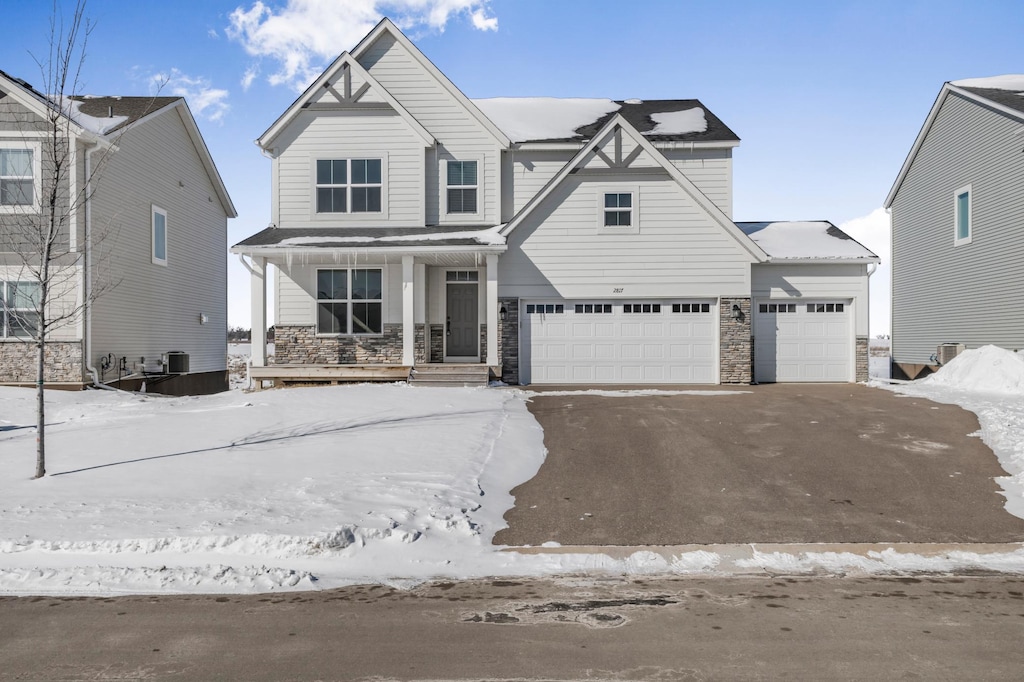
(679, 122)
(988, 369)
(804, 239)
(543, 118)
(1010, 81)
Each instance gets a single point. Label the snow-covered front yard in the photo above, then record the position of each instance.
(318, 487)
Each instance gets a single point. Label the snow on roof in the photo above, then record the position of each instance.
(988, 369)
(812, 240)
(95, 124)
(489, 237)
(543, 118)
(1009, 81)
(679, 122)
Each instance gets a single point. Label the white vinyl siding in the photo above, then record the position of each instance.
(941, 292)
(147, 311)
(363, 135)
(679, 250)
(782, 283)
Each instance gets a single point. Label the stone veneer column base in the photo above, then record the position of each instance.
(736, 342)
(63, 361)
(862, 357)
(508, 340)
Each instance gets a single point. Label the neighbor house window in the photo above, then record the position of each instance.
(348, 185)
(159, 236)
(962, 208)
(19, 315)
(462, 186)
(618, 209)
(17, 177)
(349, 301)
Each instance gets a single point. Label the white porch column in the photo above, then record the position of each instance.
(492, 309)
(258, 301)
(408, 312)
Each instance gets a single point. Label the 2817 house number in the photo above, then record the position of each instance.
(617, 290)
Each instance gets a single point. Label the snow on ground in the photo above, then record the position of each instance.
(312, 488)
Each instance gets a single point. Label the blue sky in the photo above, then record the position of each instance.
(827, 97)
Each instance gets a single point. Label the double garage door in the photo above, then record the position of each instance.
(806, 341)
(631, 342)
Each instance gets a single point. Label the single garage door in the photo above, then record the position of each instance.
(631, 342)
(806, 341)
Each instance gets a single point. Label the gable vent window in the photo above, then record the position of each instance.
(618, 209)
(348, 185)
(462, 186)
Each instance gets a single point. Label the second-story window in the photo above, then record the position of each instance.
(462, 186)
(16, 171)
(348, 186)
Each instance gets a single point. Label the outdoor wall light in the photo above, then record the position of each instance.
(503, 314)
(737, 313)
(203, 318)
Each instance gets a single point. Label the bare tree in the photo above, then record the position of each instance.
(43, 201)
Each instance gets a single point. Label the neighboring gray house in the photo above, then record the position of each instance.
(957, 211)
(556, 241)
(149, 230)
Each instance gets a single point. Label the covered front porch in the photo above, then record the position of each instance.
(343, 312)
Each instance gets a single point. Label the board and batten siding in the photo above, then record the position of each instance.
(349, 135)
(709, 169)
(152, 309)
(458, 133)
(678, 250)
(972, 293)
(792, 282)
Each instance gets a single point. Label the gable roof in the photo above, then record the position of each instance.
(325, 79)
(815, 240)
(115, 113)
(618, 121)
(551, 119)
(1001, 94)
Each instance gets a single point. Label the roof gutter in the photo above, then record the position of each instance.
(266, 251)
(823, 261)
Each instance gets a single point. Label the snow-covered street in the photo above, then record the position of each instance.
(311, 488)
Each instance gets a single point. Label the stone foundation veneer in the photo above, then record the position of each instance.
(862, 358)
(508, 340)
(299, 345)
(736, 344)
(63, 362)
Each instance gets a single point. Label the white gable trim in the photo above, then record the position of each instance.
(756, 253)
(344, 59)
(947, 88)
(386, 26)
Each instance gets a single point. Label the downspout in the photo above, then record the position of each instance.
(87, 280)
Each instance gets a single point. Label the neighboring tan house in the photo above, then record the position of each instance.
(144, 251)
(957, 211)
(555, 241)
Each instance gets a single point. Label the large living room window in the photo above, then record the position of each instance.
(349, 301)
(19, 318)
(348, 185)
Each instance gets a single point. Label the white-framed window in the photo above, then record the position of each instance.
(545, 309)
(618, 209)
(461, 187)
(593, 308)
(19, 176)
(963, 219)
(349, 186)
(19, 310)
(159, 231)
(349, 301)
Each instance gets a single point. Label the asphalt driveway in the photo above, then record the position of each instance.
(772, 463)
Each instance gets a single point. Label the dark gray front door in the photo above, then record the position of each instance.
(462, 323)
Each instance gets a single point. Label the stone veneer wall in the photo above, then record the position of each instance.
(508, 340)
(299, 345)
(736, 351)
(436, 343)
(63, 362)
(862, 357)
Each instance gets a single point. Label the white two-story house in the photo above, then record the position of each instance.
(564, 241)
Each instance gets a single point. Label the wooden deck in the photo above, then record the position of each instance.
(285, 375)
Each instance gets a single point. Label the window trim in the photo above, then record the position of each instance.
(156, 210)
(349, 301)
(443, 186)
(37, 193)
(957, 239)
(5, 333)
(634, 219)
(348, 157)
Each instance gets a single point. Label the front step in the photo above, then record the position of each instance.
(450, 375)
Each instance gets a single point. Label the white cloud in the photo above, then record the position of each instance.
(305, 35)
(249, 76)
(204, 100)
(873, 231)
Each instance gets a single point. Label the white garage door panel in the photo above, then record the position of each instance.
(617, 347)
(796, 342)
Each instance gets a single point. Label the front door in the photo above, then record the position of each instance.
(461, 329)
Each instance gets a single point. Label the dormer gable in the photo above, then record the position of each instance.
(344, 86)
